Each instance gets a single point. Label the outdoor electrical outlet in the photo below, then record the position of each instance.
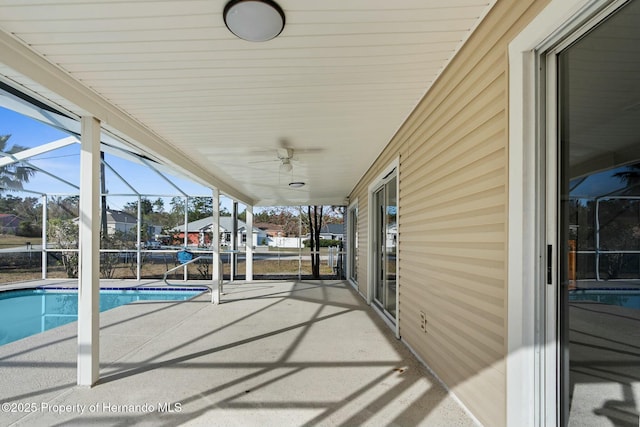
(423, 322)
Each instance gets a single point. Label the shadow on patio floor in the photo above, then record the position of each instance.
(286, 353)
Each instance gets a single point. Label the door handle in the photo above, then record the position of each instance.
(549, 264)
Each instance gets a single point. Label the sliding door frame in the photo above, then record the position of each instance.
(391, 172)
(533, 360)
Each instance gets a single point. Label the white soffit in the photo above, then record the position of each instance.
(335, 85)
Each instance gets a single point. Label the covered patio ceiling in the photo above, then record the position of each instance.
(170, 80)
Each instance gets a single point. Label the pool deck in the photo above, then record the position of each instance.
(273, 353)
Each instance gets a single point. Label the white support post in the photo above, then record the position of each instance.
(597, 213)
(44, 236)
(185, 270)
(249, 244)
(300, 243)
(139, 235)
(216, 270)
(233, 256)
(89, 254)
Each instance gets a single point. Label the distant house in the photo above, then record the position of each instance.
(154, 231)
(271, 230)
(120, 221)
(9, 223)
(332, 232)
(199, 232)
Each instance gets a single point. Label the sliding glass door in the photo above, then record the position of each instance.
(598, 222)
(385, 233)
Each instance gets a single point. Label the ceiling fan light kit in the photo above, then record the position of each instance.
(286, 165)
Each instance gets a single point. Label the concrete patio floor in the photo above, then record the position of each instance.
(274, 353)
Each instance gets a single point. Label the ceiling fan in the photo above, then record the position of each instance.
(285, 155)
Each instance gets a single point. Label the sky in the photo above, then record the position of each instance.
(597, 184)
(64, 163)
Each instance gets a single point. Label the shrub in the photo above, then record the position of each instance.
(324, 243)
(26, 229)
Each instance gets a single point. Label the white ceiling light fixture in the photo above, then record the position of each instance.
(286, 165)
(296, 184)
(254, 20)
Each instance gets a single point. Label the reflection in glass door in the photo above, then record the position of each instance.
(385, 243)
(599, 224)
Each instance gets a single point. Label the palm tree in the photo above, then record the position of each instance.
(13, 175)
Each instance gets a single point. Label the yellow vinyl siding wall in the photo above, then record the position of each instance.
(363, 241)
(452, 258)
(363, 245)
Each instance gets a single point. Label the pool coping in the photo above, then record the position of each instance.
(156, 289)
(104, 284)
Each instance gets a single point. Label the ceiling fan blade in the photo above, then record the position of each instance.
(263, 161)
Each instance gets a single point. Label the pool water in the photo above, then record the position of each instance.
(32, 311)
(622, 298)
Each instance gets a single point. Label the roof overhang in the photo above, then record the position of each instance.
(171, 84)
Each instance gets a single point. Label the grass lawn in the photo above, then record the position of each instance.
(305, 251)
(11, 241)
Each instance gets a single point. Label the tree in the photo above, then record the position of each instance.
(64, 235)
(158, 205)
(146, 207)
(630, 177)
(8, 203)
(282, 216)
(199, 207)
(314, 216)
(13, 176)
(64, 207)
(29, 210)
(336, 215)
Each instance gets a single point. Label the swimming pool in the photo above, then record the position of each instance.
(32, 311)
(629, 298)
